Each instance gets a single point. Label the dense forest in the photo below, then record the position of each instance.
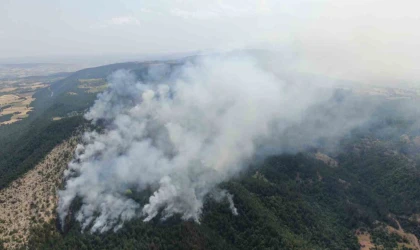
(286, 202)
(23, 144)
(311, 200)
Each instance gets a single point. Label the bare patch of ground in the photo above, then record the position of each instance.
(326, 159)
(364, 239)
(413, 242)
(259, 176)
(344, 183)
(415, 218)
(31, 200)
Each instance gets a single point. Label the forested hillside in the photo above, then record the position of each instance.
(57, 112)
(286, 202)
(366, 192)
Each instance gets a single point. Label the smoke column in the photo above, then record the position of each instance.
(183, 136)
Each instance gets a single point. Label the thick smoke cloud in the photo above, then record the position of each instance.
(180, 138)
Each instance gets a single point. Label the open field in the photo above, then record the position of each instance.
(34, 69)
(94, 85)
(16, 107)
(20, 86)
(7, 90)
(16, 97)
(8, 99)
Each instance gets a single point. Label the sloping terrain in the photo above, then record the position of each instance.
(24, 142)
(31, 200)
(366, 193)
(345, 209)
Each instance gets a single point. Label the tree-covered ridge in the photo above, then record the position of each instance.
(296, 201)
(23, 144)
(287, 202)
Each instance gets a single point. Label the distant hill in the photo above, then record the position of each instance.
(24, 143)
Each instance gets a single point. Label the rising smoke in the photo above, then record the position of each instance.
(182, 136)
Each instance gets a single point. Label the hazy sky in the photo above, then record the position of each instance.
(367, 39)
(87, 27)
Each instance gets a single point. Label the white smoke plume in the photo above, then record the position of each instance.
(184, 136)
